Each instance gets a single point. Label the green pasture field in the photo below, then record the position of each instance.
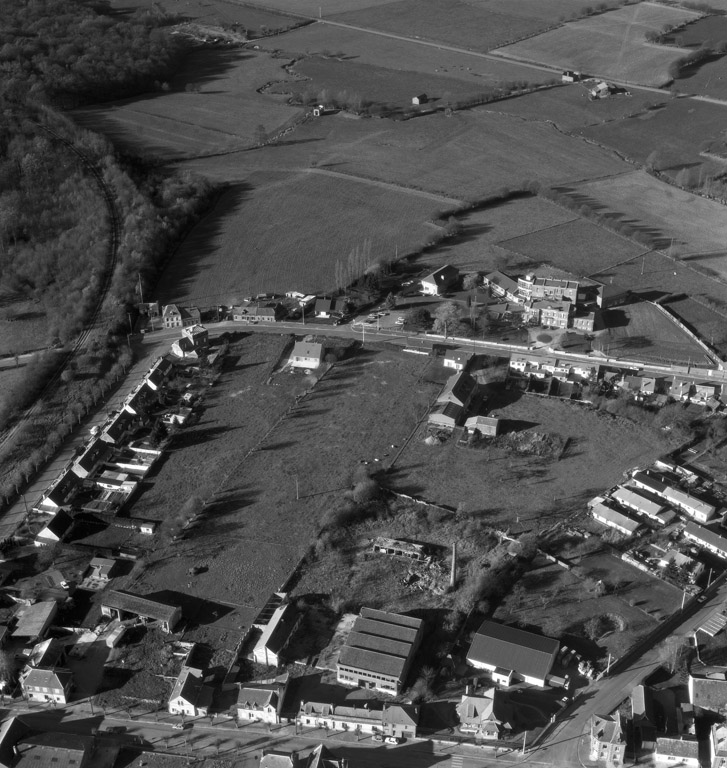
(409, 56)
(214, 12)
(579, 246)
(23, 324)
(696, 226)
(710, 324)
(676, 129)
(376, 84)
(285, 232)
(446, 21)
(502, 488)
(608, 45)
(320, 8)
(707, 29)
(256, 530)
(709, 79)
(570, 108)
(547, 10)
(640, 330)
(223, 116)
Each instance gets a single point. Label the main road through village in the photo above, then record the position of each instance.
(564, 744)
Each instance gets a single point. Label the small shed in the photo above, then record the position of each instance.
(420, 99)
(320, 109)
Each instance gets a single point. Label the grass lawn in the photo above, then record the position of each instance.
(388, 53)
(223, 116)
(446, 21)
(239, 250)
(215, 13)
(677, 129)
(256, 531)
(24, 326)
(502, 488)
(588, 45)
(579, 246)
(696, 227)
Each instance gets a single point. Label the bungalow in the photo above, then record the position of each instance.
(607, 515)
(503, 285)
(488, 426)
(363, 719)
(690, 505)
(34, 620)
(332, 307)
(477, 716)
(260, 704)
(632, 499)
(60, 492)
(457, 360)
(94, 453)
(440, 281)
(179, 317)
(275, 636)
(509, 653)
(677, 751)
(706, 539)
(190, 696)
(608, 742)
(55, 530)
(306, 355)
(123, 605)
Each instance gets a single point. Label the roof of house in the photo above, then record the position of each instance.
(476, 707)
(96, 451)
(400, 714)
(680, 747)
(641, 702)
(52, 749)
(276, 632)
(119, 424)
(59, 524)
(683, 499)
(307, 349)
(650, 482)
(441, 275)
(139, 605)
(631, 497)
(708, 693)
(190, 687)
(604, 512)
(322, 757)
(380, 642)
(481, 421)
(451, 411)
(697, 532)
(104, 565)
(502, 280)
(461, 358)
(48, 678)
(523, 652)
(257, 698)
(33, 619)
(457, 389)
(46, 653)
(608, 730)
(279, 760)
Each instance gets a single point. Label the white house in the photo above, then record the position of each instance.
(456, 359)
(306, 355)
(440, 281)
(613, 518)
(258, 704)
(275, 635)
(677, 751)
(190, 696)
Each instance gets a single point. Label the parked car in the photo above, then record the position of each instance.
(394, 740)
(179, 726)
(378, 737)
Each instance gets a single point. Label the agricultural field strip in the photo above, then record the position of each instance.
(383, 185)
(175, 119)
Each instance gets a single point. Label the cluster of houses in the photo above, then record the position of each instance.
(664, 724)
(555, 302)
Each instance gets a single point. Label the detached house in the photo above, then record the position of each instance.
(45, 678)
(179, 317)
(440, 281)
(477, 716)
(190, 696)
(456, 359)
(306, 355)
(260, 704)
(678, 751)
(608, 742)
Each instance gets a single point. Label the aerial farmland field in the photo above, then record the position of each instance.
(223, 114)
(547, 10)
(579, 246)
(697, 227)
(609, 45)
(283, 232)
(409, 56)
(446, 21)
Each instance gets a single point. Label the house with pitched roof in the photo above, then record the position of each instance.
(511, 654)
(60, 492)
(718, 746)
(275, 635)
(306, 355)
(45, 677)
(440, 281)
(174, 316)
(502, 285)
(158, 373)
(400, 720)
(94, 453)
(118, 427)
(477, 716)
(605, 513)
(708, 689)
(608, 741)
(34, 620)
(190, 696)
(706, 539)
(379, 650)
(456, 359)
(451, 406)
(643, 718)
(682, 751)
(260, 703)
(56, 528)
(62, 750)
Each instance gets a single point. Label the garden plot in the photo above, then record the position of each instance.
(609, 45)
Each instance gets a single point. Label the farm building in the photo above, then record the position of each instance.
(632, 499)
(179, 317)
(123, 605)
(34, 620)
(457, 360)
(306, 355)
(608, 741)
(512, 654)
(445, 416)
(612, 518)
(190, 696)
(440, 281)
(379, 650)
(453, 401)
(398, 548)
(678, 750)
(275, 635)
(569, 76)
(503, 285)
(421, 98)
(706, 539)
(320, 110)
(477, 715)
(260, 704)
(485, 425)
(55, 530)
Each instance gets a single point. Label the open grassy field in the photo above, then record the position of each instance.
(256, 531)
(709, 79)
(609, 45)
(23, 324)
(697, 227)
(376, 84)
(9, 378)
(408, 56)
(446, 21)
(579, 246)
(677, 130)
(239, 249)
(223, 116)
(642, 331)
(547, 10)
(501, 487)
